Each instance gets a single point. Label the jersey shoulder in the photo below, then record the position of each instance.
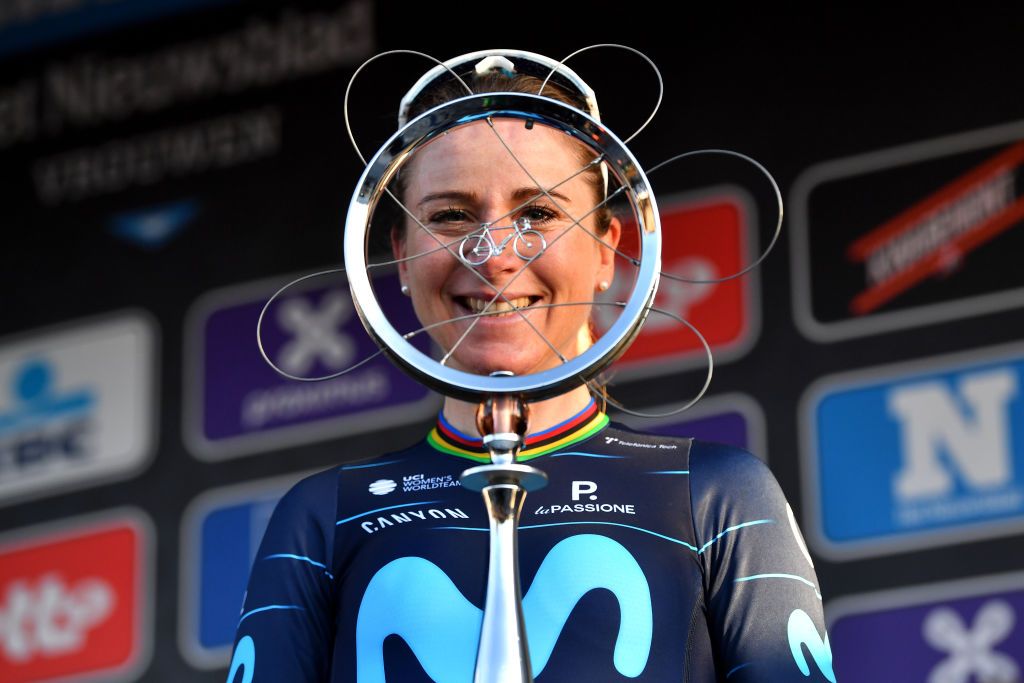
(713, 459)
(729, 477)
(375, 458)
(310, 503)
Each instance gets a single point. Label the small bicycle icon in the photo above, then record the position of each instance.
(478, 247)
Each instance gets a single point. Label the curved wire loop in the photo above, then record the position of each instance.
(272, 364)
(778, 202)
(596, 387)
(654, 67)
(389, 53)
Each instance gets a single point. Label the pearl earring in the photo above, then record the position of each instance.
(603, 286)
(405, 290)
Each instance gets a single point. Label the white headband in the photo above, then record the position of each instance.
(509, 62)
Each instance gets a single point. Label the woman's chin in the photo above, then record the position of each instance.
(488, 364)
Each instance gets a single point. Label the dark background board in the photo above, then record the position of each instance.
(791, 88)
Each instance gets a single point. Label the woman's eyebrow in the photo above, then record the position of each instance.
(530, 192)
(450, 195)
(522, 194)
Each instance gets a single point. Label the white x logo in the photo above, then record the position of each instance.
(970, 650)
(316, 333)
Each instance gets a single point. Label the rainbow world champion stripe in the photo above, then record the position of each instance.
(447, 439)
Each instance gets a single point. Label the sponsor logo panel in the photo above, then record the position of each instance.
(934, 243)
(708, 235)
(585, 491)
(74, 600)
(916, 455)
(77, 406)
(221, 533)
(404, 515)
(958, 632)
(237, 404)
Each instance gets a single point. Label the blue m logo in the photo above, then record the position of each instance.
(414, 599)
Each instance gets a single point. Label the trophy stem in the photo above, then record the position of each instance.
(503, 655)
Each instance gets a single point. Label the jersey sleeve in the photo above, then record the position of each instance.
(286, 626)
(763, 599)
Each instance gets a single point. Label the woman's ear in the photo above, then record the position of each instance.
(610, 241)
(398, 251)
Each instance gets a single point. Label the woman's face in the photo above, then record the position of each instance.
(467, 178)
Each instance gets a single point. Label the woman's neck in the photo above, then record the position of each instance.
(543, 414)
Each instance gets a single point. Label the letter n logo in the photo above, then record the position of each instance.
(946, 433)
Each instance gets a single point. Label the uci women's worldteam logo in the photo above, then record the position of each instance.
(77, 406)
(916, 455)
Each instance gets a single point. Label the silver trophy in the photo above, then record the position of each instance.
(503, 398)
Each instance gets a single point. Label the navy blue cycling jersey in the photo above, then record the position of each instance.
(646, 558)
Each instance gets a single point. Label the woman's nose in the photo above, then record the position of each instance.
(502, 252)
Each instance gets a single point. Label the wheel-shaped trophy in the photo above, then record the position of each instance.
(502, 396)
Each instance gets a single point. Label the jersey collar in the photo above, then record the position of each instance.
(584, 424)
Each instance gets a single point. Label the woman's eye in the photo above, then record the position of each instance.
(449, 216)
(538, 214)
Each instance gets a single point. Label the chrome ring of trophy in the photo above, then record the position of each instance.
(514, 244)
(402, 148)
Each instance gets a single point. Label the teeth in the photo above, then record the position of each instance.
(498, 307)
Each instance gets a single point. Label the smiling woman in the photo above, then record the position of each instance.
(377, 570)
(473, 183)
(530, 239)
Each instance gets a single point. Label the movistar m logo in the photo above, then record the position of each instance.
(802, 634)
(244, 661)
(403, 592)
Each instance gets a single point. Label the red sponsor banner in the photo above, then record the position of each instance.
(934, 235)
(72, 603)
(703, 239)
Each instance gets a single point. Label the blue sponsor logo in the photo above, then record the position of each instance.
(917, 456)
(154, 227)
(223, 531)
(36, 402)
(42, 425)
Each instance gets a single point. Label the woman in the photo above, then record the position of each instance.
(376, 571)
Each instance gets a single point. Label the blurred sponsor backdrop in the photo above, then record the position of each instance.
(166, 166)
